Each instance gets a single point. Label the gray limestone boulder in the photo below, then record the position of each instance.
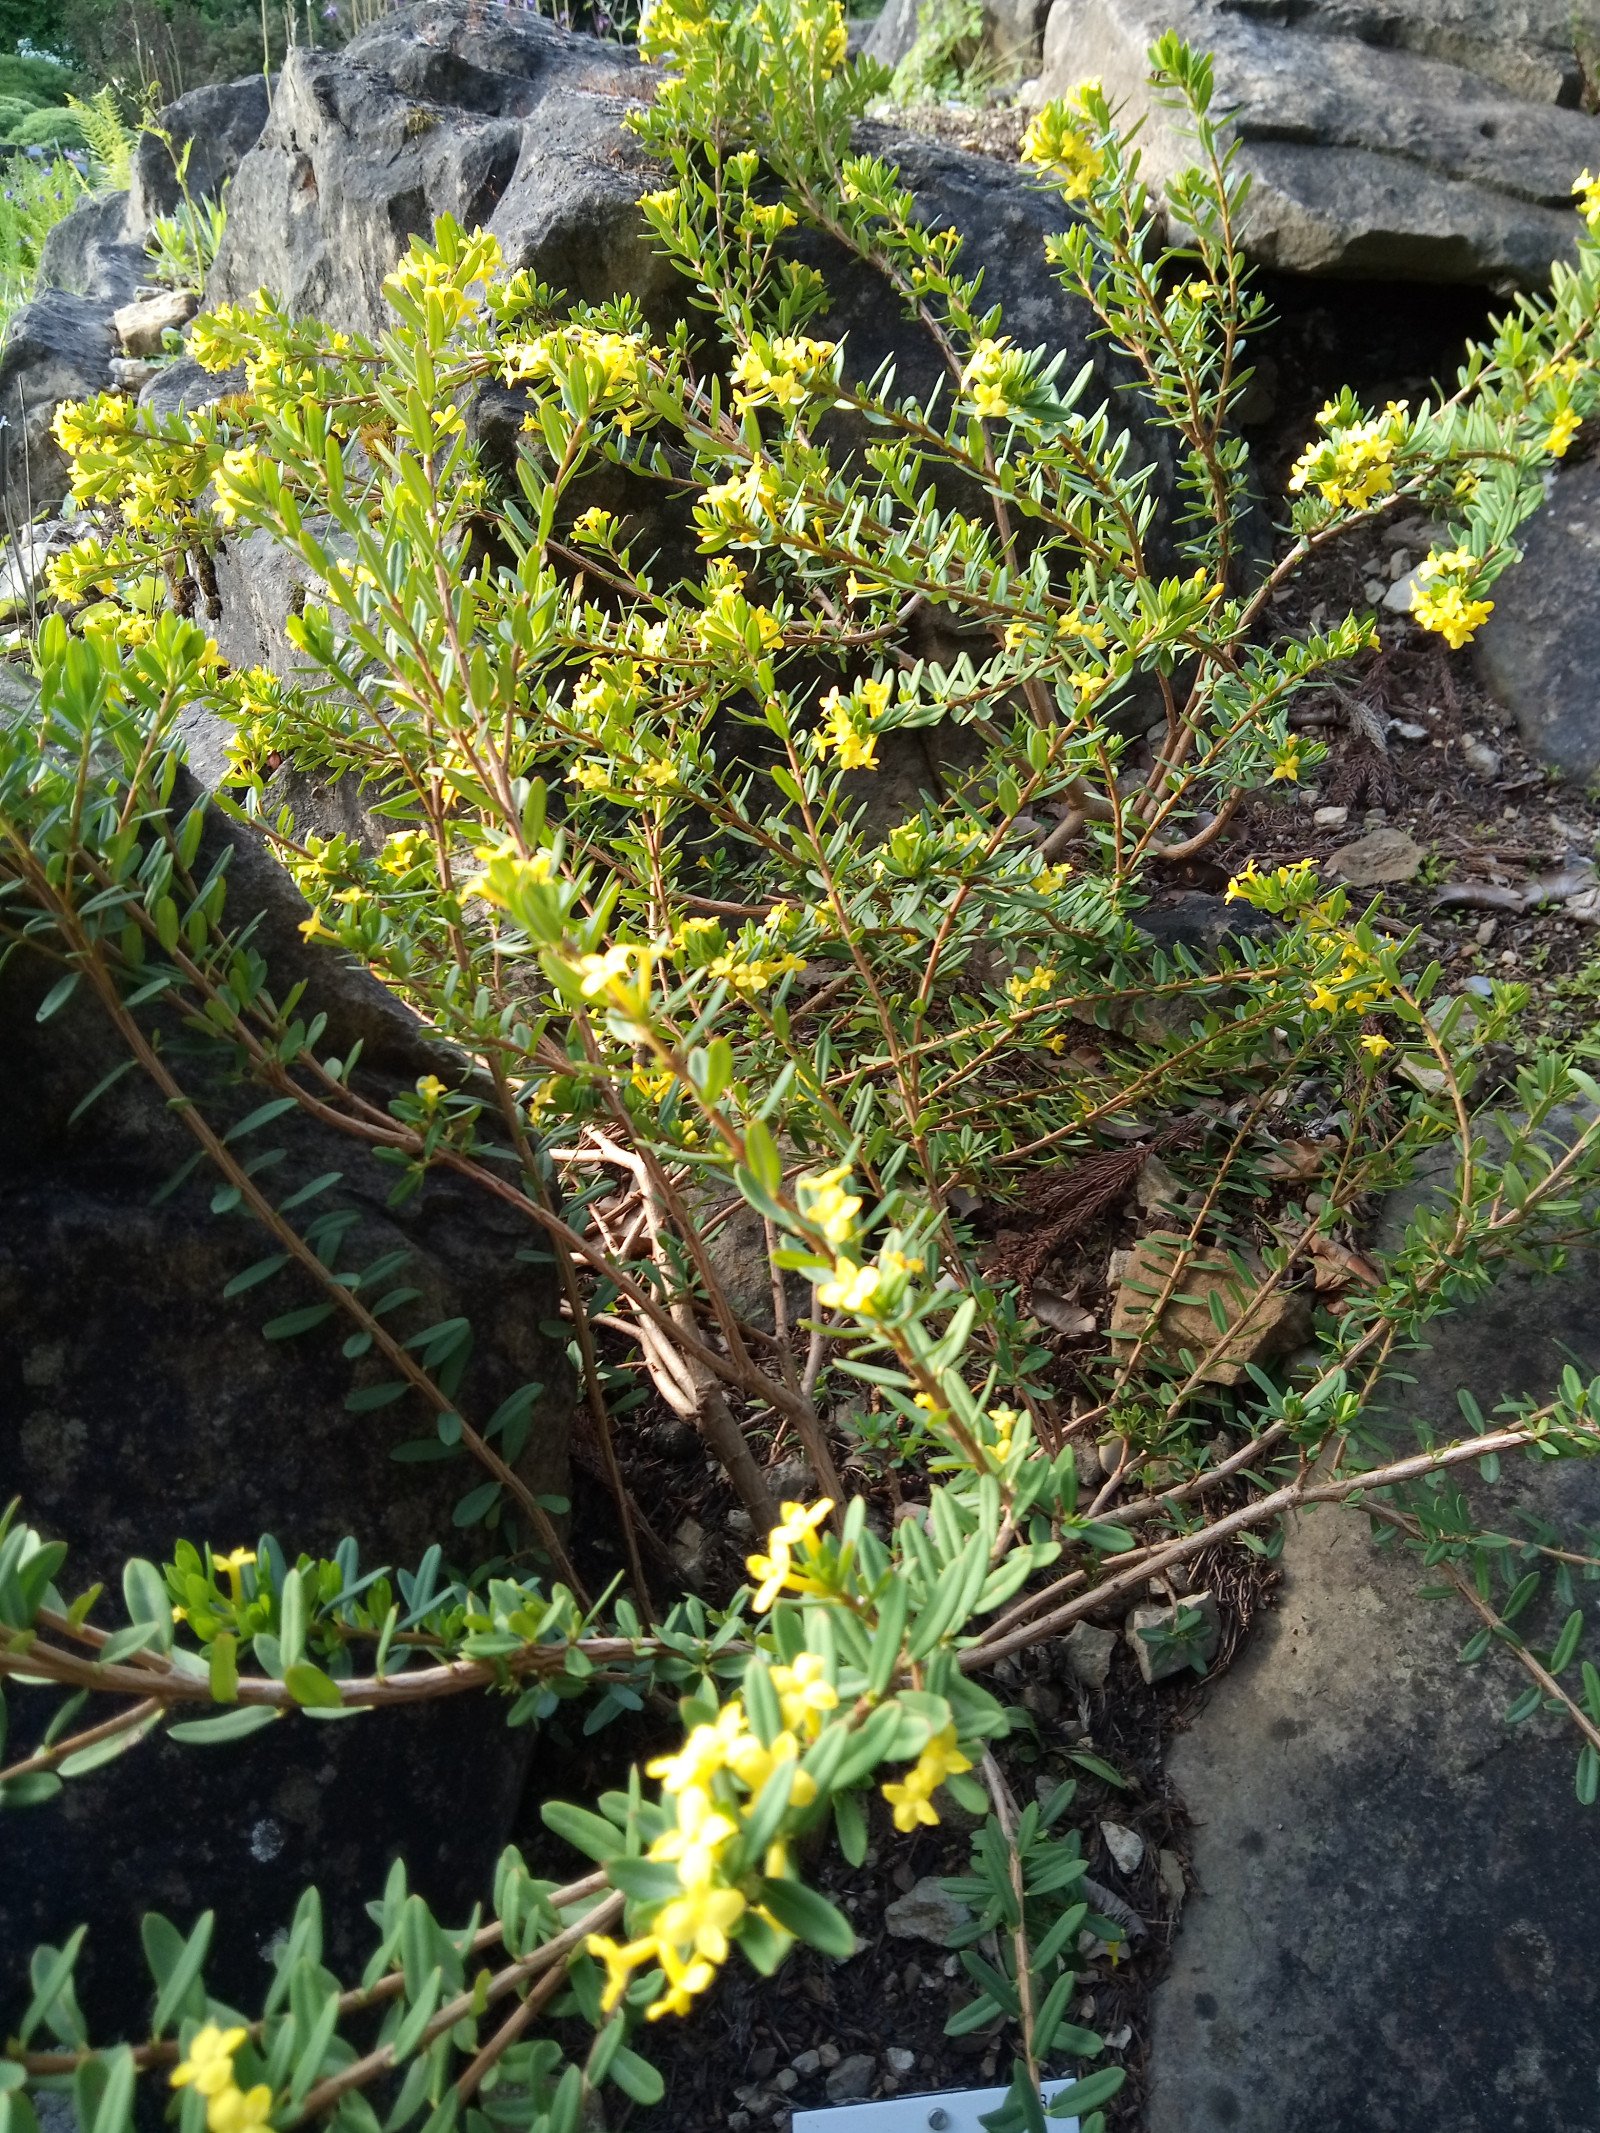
(1539, 652)
(94, 252)
(500, 120)
(140, 1405)
(218, 124)
(1395, 139)
(1012, 39)
(1393, 1929)
(59, 347)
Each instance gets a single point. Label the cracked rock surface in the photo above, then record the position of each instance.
(1426, 140)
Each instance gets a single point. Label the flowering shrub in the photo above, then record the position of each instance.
(626, 856)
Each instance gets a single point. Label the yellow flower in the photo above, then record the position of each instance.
(1374, 1045)
(804, 1693)
(912, 1797)
(621, 1962)
(852, 1288)
(234, 1564)
(1586, 187)
(236, 2110)
(209, 2066)
(774, 1569)
(684, 1980)
(1287, 765)
(430, 1088)
(1563, 428)
(1447, 610)
(824, 1202)
(698, 1922)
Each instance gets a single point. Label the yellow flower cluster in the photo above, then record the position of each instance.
(1353, 465)
(208, 2068)
(871, 1290)
(911, 1797)
(757, 974)
(620, 975)
(848, 721)
(1586, 189)
(991, 376)
(737, 509)
(775, 1570)
(785, 371)
(1023, 988)
(1440, 601)
(1565, 424)
(604, 372)
(1059, 140)
(827, 1204)
(720, 1769)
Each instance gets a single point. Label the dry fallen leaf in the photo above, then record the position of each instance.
(1055, 1311)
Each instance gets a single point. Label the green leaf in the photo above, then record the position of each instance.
(1100, 1768)
(475, 1504)
(57, 1973)
(30, 1791)
(292, 1323)
(263, 1270)
(810, 1917)
(144, 1594)
(225, 1667)
(636, 2077)
(58, 996)
(233, 1725)
(310, 1686)
(1567, 1642)
(1091, 2090)
(1588, 1777)
(366, 1398)
(185, 1969)
(596, 1839)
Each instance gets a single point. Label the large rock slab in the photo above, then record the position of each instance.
(502, 121)
(1401, 139)
(138, 1405)
(94, 252)
(1539, 652)
(209, 133)
(1394, 1926)
(59, 347)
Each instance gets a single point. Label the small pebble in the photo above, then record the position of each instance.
(899, 2060)
(828, 2054)
(851, 2079)
(806, 2063)
(1487, 931)
(786, 2079)
(1480, 757)
(1331, 818)
(1126, 1846)
(1407, 729)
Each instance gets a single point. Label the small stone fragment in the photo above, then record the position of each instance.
(1125, 1845)
(927, 1912)
(1398, 597)
(1382, 855)
(1331, 818)
(786, 2079)
(1407, 729)
(899, 2060)
(1150, 1628)
(851, 2079)
(142, 326)
(1087, 1651)
(1261, 1327)
(1479, 757)
(806, 2063)
(828, 2054)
